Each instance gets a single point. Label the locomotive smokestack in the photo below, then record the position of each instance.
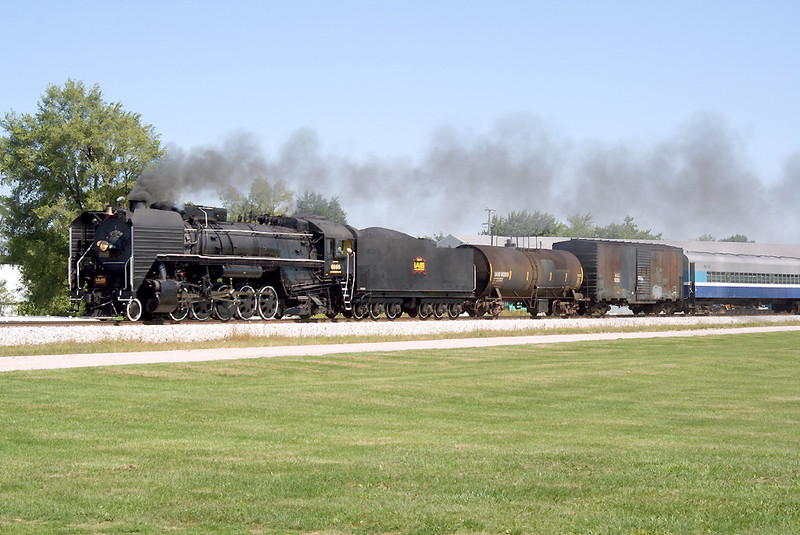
(136, 203)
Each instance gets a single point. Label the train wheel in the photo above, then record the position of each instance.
(393, 311)
(476, 310)
(376, 310)
(439, 310)
(269, 303)
(201, 310)
(179, 314)
(360, 311)
(224, 308)
(248, 304)
(454, 311)
(424, 311)
(133, 310)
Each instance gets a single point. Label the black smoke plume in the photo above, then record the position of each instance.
(696, 181)
(182, 175)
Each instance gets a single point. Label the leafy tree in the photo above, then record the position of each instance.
(436, 237)
(77, 152)
(317, 204)
(580, 226)
(524, 223)
(625, 231)
(737, 238)
(263, 198)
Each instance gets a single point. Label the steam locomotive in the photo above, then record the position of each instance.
(144, 261)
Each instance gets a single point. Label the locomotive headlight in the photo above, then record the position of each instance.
(103, 245)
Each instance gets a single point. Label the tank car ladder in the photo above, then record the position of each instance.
(349, 282)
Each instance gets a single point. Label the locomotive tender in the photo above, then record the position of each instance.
(158, 261)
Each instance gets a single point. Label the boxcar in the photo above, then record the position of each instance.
(645, 277)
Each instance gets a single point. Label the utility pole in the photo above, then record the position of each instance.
(489, 225)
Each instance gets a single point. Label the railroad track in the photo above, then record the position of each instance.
(69, 322)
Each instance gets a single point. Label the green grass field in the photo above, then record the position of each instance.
(692, 435)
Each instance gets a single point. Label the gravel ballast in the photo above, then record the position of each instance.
(13, 335)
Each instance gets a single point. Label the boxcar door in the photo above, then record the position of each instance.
(643, 274)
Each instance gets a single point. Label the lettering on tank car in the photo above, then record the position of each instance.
(500, 276)
(418, 266)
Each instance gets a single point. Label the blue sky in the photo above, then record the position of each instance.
(601, 90)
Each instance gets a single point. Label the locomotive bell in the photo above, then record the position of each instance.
(109, 212)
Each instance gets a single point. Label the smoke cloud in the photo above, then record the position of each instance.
(182, 175)
(697, 181)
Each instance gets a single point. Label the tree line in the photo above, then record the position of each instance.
(525, 223)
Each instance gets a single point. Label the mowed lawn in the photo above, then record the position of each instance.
(685, 435)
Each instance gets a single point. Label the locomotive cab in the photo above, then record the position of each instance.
(337, 240)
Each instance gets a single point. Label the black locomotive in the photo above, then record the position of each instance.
(150, 261)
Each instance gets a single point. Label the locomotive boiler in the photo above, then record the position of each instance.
(148, 261)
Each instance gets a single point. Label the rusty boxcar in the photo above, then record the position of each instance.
(643, 276)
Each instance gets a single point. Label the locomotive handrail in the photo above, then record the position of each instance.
(206, 216)
(126, 270)
(69, 262)
(246, 258)
(265, 233)
(352, 277)
(349, 283)
(78, 269)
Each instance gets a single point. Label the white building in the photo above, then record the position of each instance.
(13, 282)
